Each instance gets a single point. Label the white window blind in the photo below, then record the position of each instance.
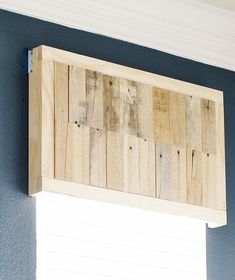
(87, 240)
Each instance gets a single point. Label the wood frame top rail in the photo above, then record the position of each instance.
(112, 69)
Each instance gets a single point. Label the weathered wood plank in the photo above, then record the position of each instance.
(144, 111)
(61, 135)
(97, 157)
(194, 176)
(72, 152)
(177, 120)
(163, 171)
(208, 126)
(77, 153)
(128, 112)
(95, 99)
(179, 174)
(161, 115)
(77, 95)
(61, 92)
(209, 180)
(193, 123)
(131, 163)
(147, 167)
(220, 159)
(111, 103)
(48, 104)
(140, 76)
(35, 124)
(115, 160)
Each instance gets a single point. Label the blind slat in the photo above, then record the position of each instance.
(81, 239)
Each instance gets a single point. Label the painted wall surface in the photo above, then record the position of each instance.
(17, 211)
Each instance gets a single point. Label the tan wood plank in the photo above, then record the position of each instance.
(209, 180)
(77, 153)
(111, 103)
(48, 80)
(177, 120)
(97, 157)
(220, 159)
(61, 92)
(163, 171)
(131, 164)
(194, 176)
(179, 174)
(72, 152)
(61, 134)
(161, 115)
(95, 99)
(146, 167)
(193, 123)
(121, 71)
(144, 111)
(77, 95)
(35, 124)
(128, 106)
(208, 126)
(115, 160)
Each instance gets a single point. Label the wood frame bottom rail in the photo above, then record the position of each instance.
(214, 217)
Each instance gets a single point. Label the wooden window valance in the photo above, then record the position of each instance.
(103, 131)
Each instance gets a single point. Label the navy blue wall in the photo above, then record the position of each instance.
(17, 211)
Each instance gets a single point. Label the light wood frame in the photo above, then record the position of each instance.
(42, 137)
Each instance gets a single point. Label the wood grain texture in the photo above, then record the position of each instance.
(177, 120)
(61, 92)
(77, 153)
(95, 99)
(115, 160)
(35, 125)
(209, 180)
(72, 152)
(163, 171)
(140, 76)
(97, 160)
(142, 137)
(48, 119)
(131, 163)
(111, 103)
(61, 134)
(77, 95)
(193, 123)
(144, 111)
(194, 177)
(128, 112)
(147, 178)
(220, 159)
(161, 115)
(179, 174)
(208, 126)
